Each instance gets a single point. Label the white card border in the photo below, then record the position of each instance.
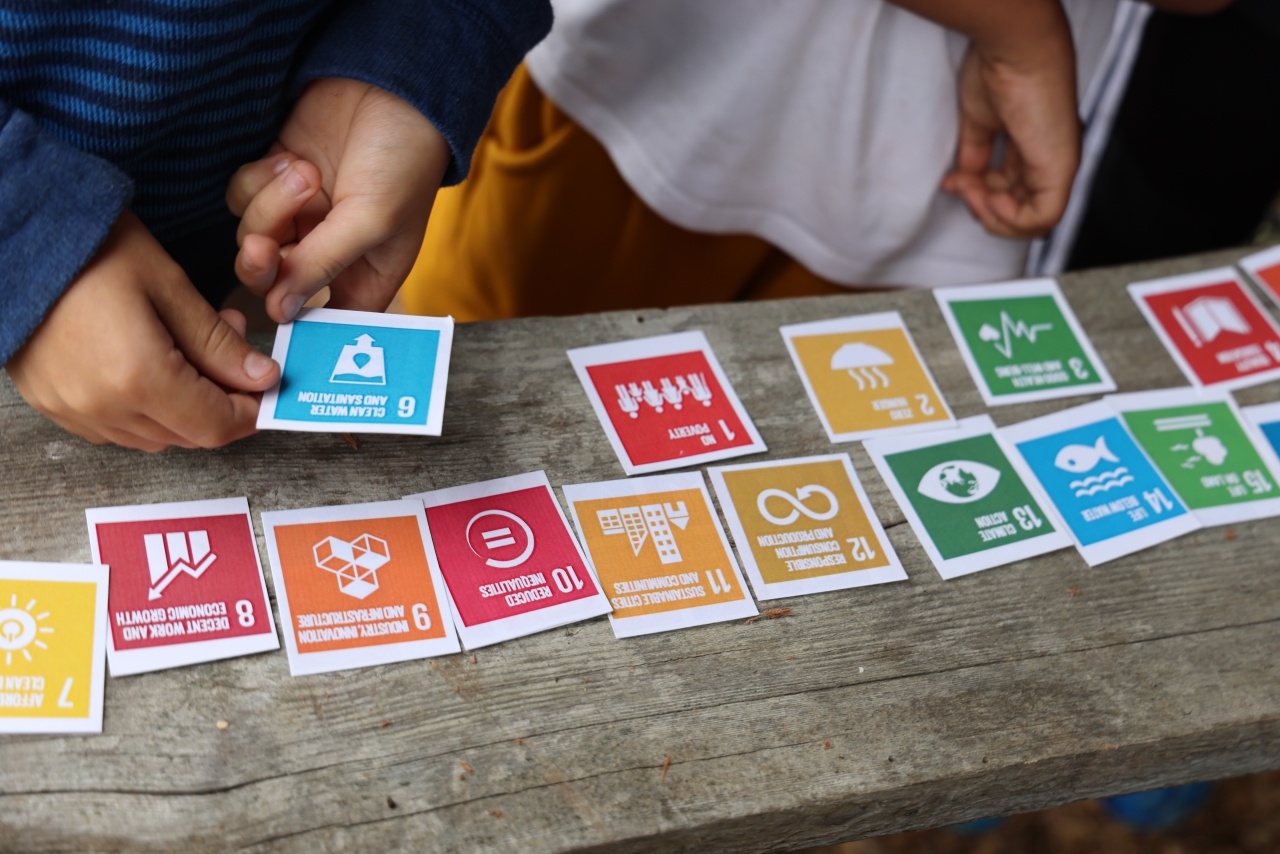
(949, 568)
(328, 661)
(529, 622)
(1251, 264)
(682, 618)
(645, 348)
(435, 412)
(1223, 514)
(130, 662)
(1262, 413)
(1044, 286)
(845, 580)
(98, 575)
(1118, 546)
(863, 323)
(1148, 287)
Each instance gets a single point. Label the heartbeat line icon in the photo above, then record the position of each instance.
(1010, 329)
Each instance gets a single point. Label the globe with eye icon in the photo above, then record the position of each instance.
(959, 481)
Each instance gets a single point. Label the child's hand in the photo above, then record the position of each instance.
(133, 354)
(342, 200)
(1026, 90)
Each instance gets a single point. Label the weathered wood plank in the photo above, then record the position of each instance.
(1161, 669)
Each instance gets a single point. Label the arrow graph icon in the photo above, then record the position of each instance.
(170, 555)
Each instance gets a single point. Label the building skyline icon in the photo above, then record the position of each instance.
(650, 521)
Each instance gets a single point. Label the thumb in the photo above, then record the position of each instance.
(216, 348)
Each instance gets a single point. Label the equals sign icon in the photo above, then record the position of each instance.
(498, 537)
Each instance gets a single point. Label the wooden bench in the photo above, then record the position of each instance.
(866, 712)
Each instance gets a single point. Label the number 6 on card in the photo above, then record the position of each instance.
(360, 371)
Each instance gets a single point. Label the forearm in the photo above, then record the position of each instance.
(56, 206)
(447, 58)
(1013, 31)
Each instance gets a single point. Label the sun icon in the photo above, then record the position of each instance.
(19, 629)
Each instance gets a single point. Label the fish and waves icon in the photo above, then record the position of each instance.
(1079, 459)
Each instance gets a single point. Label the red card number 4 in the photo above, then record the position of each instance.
(1213, 326)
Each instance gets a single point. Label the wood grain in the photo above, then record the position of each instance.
(1014, 689)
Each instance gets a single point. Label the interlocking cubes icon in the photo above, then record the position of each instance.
(355, 563)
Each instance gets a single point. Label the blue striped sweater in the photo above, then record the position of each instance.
(153, 104)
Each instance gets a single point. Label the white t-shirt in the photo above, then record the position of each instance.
(822, 126)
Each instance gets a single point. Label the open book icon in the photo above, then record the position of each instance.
(1204, 318)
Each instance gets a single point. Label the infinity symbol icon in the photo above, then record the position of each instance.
(797, 503)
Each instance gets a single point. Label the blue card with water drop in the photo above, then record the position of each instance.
(356, 371)
(1113, 500)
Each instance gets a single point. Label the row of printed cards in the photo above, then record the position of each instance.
(665, 401)
(1111, 477)
(483, 563)
(397, 580)
(358, 585)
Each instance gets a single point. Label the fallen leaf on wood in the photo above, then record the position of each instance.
(771, 614)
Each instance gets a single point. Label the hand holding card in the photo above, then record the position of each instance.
(358, 371)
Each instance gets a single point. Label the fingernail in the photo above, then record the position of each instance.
(291, 305)
(282, 164)
(257, 365)
(248, 265)
(296, 184)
